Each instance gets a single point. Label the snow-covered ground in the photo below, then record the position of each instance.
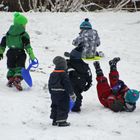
(25, 115)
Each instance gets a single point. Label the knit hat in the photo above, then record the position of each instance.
(60, 62)
(131, 96)
(86, 24)
(76, 53)
(20, 19)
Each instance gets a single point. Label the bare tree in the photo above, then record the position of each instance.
(122, 4)
(69, 5)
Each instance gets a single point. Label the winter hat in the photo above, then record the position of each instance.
(20, 19)
(60, 62)
(131, 96)
(86, 24)
(76, 53)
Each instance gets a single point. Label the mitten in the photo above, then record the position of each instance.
(73, 97)
(116, 88)
(87, 86)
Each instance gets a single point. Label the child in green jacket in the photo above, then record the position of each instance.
(18, 41)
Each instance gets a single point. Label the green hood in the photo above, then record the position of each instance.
(16, 30)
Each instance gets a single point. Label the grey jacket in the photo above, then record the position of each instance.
(89, 38)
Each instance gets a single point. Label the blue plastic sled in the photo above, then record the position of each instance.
(71, 104)
(26, 72)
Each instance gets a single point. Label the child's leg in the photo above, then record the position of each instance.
(20, 62)
(103, 87)
(11, 64)
(114, 74)
(62, 109)
(78, 102)
(53, 113)
(10, 77)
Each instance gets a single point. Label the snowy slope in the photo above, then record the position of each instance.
(25, 115)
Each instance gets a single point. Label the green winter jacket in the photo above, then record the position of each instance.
(17, 38)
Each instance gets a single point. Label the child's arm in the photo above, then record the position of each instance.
(27, 46)
(67, 84)
(2, 45)
(97, 40)
(77, 41)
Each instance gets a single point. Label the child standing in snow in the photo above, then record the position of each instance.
(60, 89)
(18, 41)
(88, 39)
(117, 96)
(80, 76)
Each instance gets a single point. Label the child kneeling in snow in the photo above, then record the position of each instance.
(117, 96)
(88, 39)
(61, 90)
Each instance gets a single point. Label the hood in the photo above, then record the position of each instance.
(16, 30)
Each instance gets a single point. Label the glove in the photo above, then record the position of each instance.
(73, 97)
(87, 86)
(115, 89)
(1, 56)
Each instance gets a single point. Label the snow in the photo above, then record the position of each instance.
(25, 115)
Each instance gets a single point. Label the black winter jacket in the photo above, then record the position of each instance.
(79, 73)
(59, 83)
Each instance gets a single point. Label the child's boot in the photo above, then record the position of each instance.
(17, 83)
(63, 124)
(113, 63)
(76, 109)
(54, 123)
(10, 81)
(98, 68)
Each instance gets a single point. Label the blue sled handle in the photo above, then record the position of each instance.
(71, 104)
(33, 64)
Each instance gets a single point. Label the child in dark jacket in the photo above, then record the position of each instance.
(61, 90)
(117, 96)
(18, 41)
(80, 76)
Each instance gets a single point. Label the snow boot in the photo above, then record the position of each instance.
(113, 63)
(54, 123)
(100, 53)
(63, 124)
(98, 68)
(17, 83)
(76, 109)
(10, 81)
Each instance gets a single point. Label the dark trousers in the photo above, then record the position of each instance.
(79, 97)
(59, 106)
(16, 58)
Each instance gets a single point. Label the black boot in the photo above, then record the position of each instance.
(54, 123)
(99, 71)
(113, 63)
(76, 109)
(63, 124)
